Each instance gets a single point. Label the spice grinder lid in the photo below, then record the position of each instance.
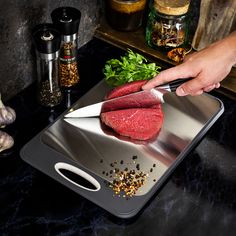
(66, 19)
(172, 7)
(46, 38)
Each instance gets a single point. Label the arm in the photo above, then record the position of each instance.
(207, 67)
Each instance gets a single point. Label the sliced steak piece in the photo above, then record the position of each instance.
(126, 89)
(144, 99)
(139, 118)
(136, 123)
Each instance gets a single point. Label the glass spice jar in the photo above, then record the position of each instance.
(47, 44)
(167, 24)
(125, 15)
(67, 20)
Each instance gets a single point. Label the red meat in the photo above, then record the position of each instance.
(139, 119)
(126, 89)
(136, 123)
(144, 99)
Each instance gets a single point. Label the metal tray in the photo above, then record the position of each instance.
(85, 156)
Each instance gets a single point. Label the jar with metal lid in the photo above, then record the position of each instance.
(47, 42)
(125, 15)
(167, 24)
(67, 20)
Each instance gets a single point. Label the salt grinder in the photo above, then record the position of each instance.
(47, 41)
(66, 20)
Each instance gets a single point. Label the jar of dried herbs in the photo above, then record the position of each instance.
(67, 20)
(167, 23)
(47, 44)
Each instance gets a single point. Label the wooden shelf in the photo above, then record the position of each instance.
(136, 40)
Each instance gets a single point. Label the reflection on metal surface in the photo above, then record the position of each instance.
(88, 143)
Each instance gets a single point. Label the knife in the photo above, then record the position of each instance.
(141, 99)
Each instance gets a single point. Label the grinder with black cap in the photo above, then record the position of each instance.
(47, 40)
(66, 20)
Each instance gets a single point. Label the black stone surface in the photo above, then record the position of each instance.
(198, 199)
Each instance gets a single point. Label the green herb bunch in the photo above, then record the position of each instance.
(131, 67)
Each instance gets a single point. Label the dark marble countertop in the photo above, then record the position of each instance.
(198, 199)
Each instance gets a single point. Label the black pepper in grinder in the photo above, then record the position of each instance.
(67, 20)
(47, 42)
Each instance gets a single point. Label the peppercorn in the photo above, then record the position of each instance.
(68, 70)
(49, 94)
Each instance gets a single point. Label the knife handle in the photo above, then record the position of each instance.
(173, 85)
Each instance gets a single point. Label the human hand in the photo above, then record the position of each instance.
(207, 67)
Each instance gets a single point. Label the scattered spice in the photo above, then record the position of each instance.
(177, 54)
(126, 181)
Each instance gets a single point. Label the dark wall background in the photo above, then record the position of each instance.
(17, 18)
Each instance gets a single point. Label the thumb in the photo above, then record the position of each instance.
(177, 72)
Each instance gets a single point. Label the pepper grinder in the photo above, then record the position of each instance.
(47, 42)
(66, 20)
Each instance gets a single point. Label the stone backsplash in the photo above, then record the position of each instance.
(17, 18)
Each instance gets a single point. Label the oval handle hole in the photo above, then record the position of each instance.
(77, 179)
(77, 176)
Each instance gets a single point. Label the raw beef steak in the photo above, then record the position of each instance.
(136, 123)
(138, 118)
(126, 89)
(139, 100)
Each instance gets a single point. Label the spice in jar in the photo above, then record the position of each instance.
(67, 20)
(68, 71)
(47, 42)
(125, 15)
(49, 94)
(167, 25)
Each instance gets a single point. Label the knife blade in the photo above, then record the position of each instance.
(141, 99)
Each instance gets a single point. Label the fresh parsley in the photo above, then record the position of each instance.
(131, 67)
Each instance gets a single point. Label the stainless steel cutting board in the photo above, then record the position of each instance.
(83, 154)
